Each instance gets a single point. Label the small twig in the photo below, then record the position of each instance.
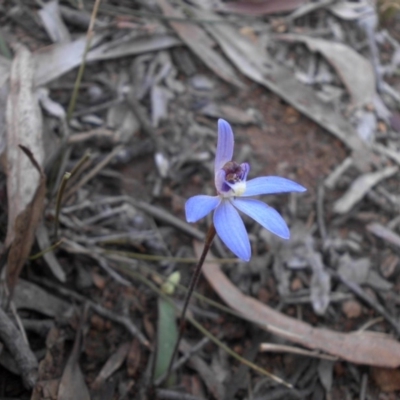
(320, 211)
(93, 172)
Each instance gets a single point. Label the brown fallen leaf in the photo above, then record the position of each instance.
(359, 347)
(201, 44)
(26, 183)
(387, 379)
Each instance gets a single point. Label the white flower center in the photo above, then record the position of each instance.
(236, 190)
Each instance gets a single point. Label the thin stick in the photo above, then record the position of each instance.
(193, 282)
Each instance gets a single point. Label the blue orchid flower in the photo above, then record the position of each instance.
(233, 192)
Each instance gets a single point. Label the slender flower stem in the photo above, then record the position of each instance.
(193, 282)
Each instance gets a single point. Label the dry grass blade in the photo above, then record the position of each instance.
(360, 348)
(25, 179)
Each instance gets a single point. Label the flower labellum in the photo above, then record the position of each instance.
(233, 192)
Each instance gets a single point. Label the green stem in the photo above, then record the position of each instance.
(193, 282)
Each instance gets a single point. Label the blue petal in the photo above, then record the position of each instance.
(264, 215)
(199, 206)
(271, 184)
(246, 169)
(225, 144)
(231, 230)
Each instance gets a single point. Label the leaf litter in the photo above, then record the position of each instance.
(156, 80)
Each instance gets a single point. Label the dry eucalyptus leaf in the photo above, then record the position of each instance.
(358, 347)
(56, 60)
(347, 63)
(384, 233)
(72, 384)
(320, 285)
(320, 290)
(160, 97)
(53, 108)
(360, 187)
(53, 23)
(258, 66)
(325, 373)
(32, 297)
(349, 10)
(25, 179)
(201, 44)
